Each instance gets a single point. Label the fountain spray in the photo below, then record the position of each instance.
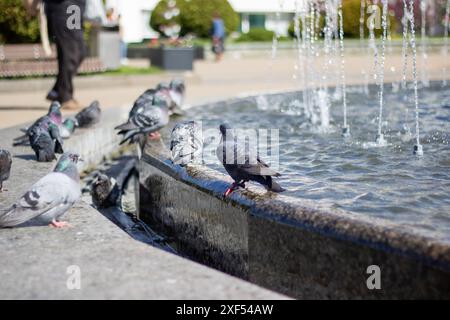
(446, 25)
(380, 137)
(362, 19)
(424, 43)
(373, 45)
(345, 128)
(405, 22)
(418, 149)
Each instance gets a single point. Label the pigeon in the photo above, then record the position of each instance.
(89, 115)
(177, 91)
(144, 99)
(174, 92)
(67, 128)
(186, 143)
(105, 191)
(54, 115)
(252, 167)
(49, 198)
(150, 115)
(5, 167)
(45, 140)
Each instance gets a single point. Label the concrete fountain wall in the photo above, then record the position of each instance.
(290, 245)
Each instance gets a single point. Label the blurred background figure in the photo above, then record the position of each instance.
(66, 28)
(123, 44)
(218, 36)
(114, 19)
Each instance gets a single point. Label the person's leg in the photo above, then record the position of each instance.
(70, 46)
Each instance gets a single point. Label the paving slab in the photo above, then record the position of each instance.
(44, 263)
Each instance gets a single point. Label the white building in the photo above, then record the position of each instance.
(135, 16)
(263, 14)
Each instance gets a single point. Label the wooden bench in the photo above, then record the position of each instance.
(25, 60)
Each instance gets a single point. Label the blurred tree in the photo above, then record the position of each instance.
(351, 10)
(15, 25)
(194, 16)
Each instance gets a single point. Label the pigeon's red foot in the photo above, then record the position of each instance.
(154, 136)
(59, 224)
(233, 187)
(228, 192)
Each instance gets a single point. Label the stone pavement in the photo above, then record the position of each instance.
(37, 262)
(240, 73)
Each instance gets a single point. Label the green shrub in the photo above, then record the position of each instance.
(158, 19)
(256, 34)
(351, 10)
(15, 25)
(195, 16)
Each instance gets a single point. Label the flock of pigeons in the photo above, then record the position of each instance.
(53, 195)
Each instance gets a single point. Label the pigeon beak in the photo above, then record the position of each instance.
(80, 159)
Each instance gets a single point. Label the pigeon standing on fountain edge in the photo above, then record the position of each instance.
(150, 116)
(49, 198)
(67, 128)
(175, 92)
(45, 140)
(53, 114)
(142, 101)
(252, 168)
(186, 143)
(5, 167)
(89, 115)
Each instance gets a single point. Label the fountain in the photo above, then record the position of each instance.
(418, 149)
(380, 137)
(446, 26)
(381, 202)
(424, 43)
(345, 128)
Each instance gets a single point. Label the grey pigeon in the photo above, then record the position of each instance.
(105, 191)
(150, 116)
(67, 128)
(143, 100)
(5, 167)
(53, 115)
(49, 198)
(174, 92)
(89, 115)
(45, 140)
(242, 164)
(186, 143)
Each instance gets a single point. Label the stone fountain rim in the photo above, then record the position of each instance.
(308, 215)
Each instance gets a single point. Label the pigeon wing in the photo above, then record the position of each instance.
(53, 190)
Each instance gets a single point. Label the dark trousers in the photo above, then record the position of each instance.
(69, 42)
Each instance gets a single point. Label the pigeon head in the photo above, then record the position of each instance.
(150, 91)
(95, 104)
(177, 85)
(70, 124)
(162, 86)
(160, 99)
(55, 107)
(55, 112)
(101, 179)
(68, 162)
